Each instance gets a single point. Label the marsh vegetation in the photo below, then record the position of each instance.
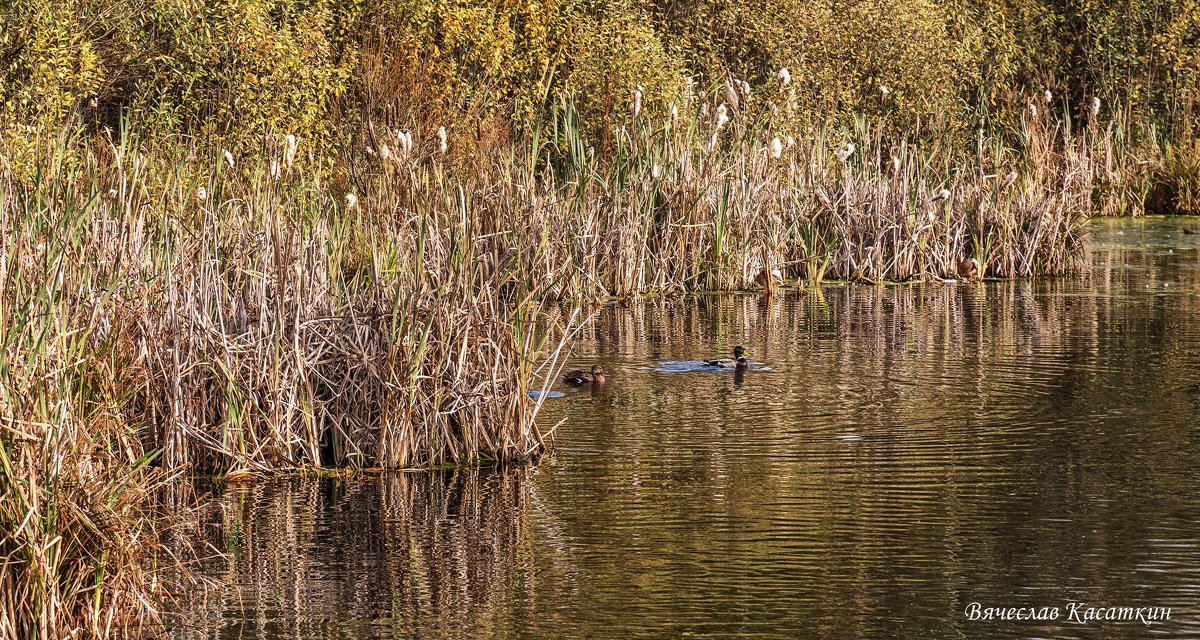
(352, 236)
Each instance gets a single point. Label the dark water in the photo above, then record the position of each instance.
(896, 454)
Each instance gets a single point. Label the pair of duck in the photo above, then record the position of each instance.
(580, 377)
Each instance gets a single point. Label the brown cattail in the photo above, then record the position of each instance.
(731, 94)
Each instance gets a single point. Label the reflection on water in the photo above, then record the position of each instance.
(896, 454)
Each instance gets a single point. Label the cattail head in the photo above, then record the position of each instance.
(655, 171)
(289, 152)
(351, 200)
(201, 194)
(791, 142)
(636, 108)
(674, 111)
(722, 116)
(745, 87)
(942, 194)
(731, 94)
(895, 163)
(883, 90)
(845, 152)
(275, 168)
(403, 144)
(385, 152)
(228, 158)
(1032, 110)
(1009, 179)
(443, 140)
(1049, 97)
(784, 76)
(1094, 106)
(776, 147)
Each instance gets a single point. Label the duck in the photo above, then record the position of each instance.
(580, 377)
(738, 361)
(769, 280)
(969, 269)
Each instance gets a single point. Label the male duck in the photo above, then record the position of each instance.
(580, 377)
(738, 361)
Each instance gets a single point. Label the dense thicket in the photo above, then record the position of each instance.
(330, 68)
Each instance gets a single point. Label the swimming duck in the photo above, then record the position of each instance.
(580, 377)
(738, 361)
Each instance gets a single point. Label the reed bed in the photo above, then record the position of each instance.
(170, 304)
(79, 522)
(693, 203)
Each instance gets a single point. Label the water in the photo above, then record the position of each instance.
(893, 455)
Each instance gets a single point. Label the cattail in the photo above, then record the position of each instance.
(636, 108)
(351, 200)
(1009, 180)
(201, 194)
(228, 158)
(385, 152)
(942, 194)
(722, 116)
(845, 152)
(896, 163)
(1094, 105)
(275, 167)
(784, 76)
(776, 147)
(1032, 110)
(674, 111)
(403, 144)
(745, 87)
(731, 95)
(1048, 96)
(289, 154)
(884, 90)
(655, 171)
(443, 141)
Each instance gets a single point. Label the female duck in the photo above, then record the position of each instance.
(580, 377)
(738, 361)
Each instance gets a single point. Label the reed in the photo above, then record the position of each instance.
(79, 524)
(176, 304)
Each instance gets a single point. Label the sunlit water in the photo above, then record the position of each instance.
(893, 455)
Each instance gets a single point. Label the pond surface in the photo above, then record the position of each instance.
(893, 455)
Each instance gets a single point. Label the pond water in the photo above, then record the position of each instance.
(893, 455)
